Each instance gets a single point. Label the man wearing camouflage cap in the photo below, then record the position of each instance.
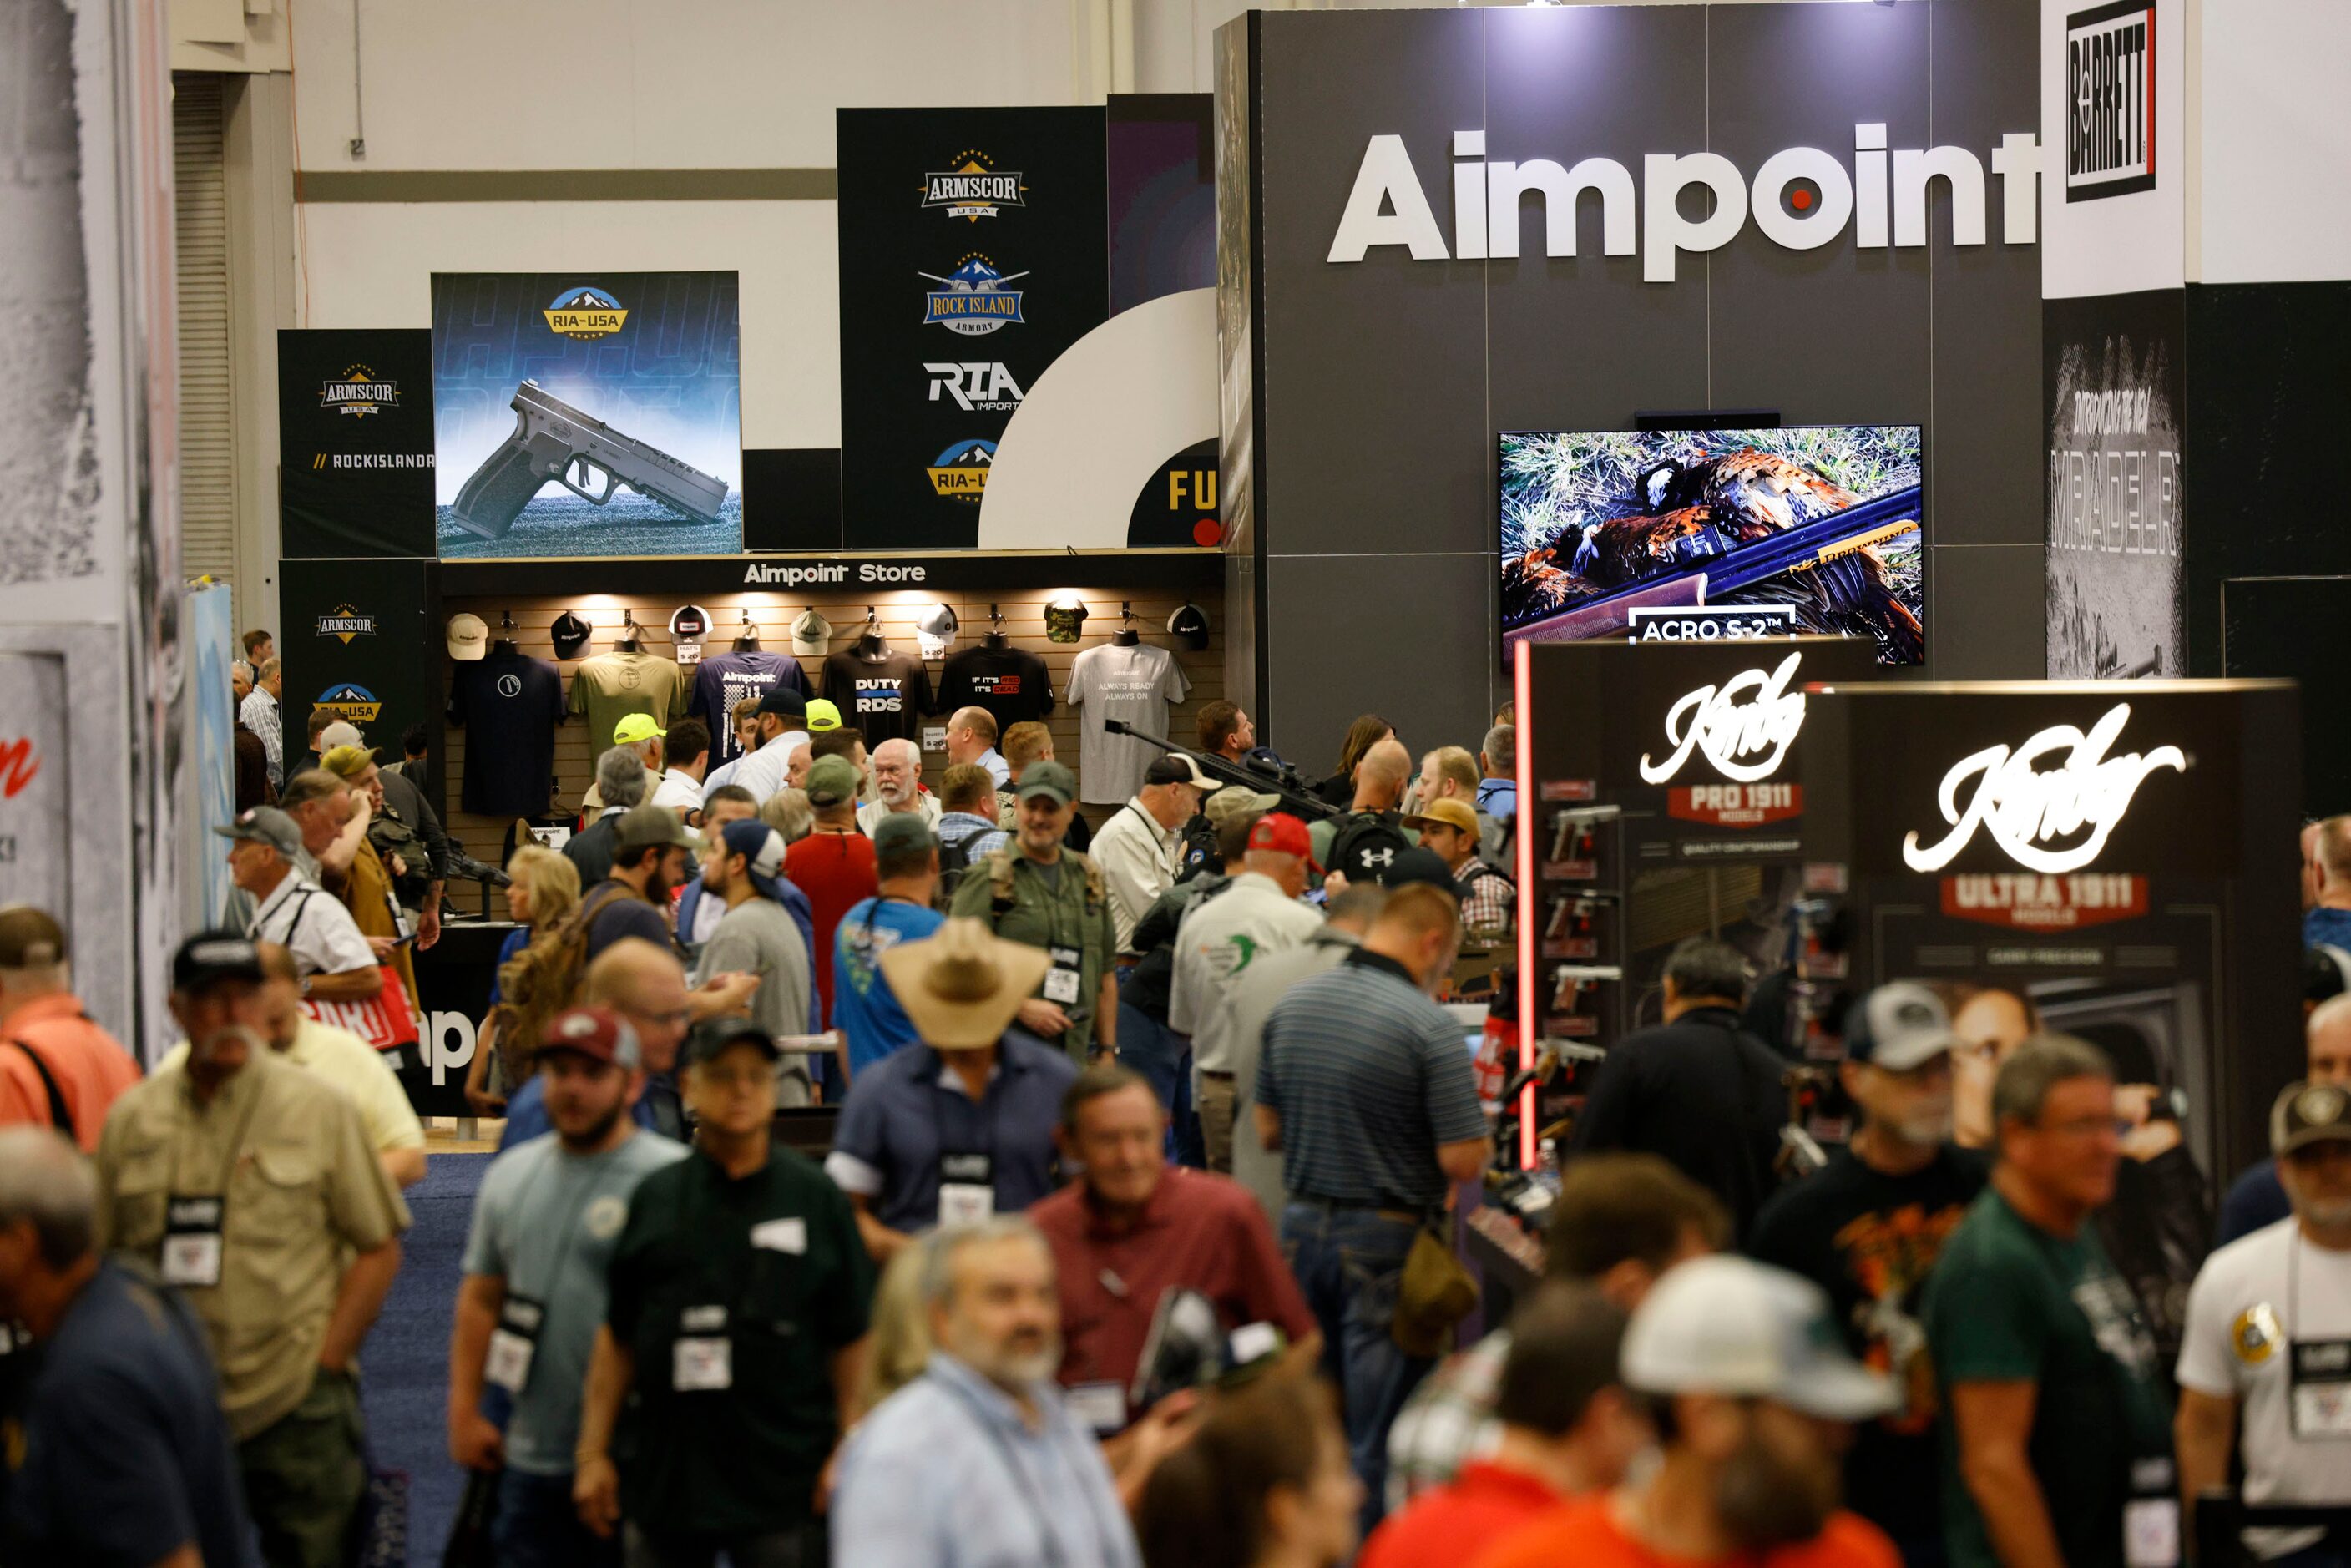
(1034, 892)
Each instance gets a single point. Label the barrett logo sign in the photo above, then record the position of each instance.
(1801, 198)
(1744, 726)
(2053, 820)
(2110, 101)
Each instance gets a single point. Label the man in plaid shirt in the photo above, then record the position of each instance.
(1488, 899)
(260, 714)
(1620, 1222)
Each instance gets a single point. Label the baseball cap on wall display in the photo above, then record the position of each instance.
(688, 625)
(571, 633)
(1191, 623)
(936, 631)
(811, 633)
(469, 638)
(1065, 618)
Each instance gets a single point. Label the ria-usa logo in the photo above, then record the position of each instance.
(585, 313)
(972, 299)
(356, 704)
(974, 188)
(358, 391)
(346, 622)
(961, 472)
(2110, 100)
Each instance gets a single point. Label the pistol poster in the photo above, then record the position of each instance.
(587, 414)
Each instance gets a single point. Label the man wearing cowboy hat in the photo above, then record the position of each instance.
(959, 1126)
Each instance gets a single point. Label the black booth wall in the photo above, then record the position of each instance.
(1367, 396)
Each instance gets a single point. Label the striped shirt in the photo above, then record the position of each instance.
(258, 713)
(1369, 1077)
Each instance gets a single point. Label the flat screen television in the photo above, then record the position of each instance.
(1705, 533)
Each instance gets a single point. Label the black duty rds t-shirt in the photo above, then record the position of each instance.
(885, 698)
(1869, 1240)
(1011, 683)
(509, 704)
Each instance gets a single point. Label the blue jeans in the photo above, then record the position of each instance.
(1164, 1057)
(537, 1526)
(1349, 1262)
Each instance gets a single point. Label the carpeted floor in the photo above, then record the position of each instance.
(405, 1361)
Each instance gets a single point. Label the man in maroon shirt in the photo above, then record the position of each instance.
(833, 865)
(1133, 1227)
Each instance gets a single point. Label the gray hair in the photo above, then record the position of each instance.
(951, 1243)
(47, 1183)
(268, 668)
(2021, 1089)
(1501, 748)
(1701, 966)
(620, 777)
(788, 812)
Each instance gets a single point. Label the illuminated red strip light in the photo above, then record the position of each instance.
(1530, 901)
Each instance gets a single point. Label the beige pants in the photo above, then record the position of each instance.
(1215, 1105)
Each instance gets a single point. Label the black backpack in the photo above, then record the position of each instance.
(955, 859)
(1365, 845)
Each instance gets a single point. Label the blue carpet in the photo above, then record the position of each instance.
(406, 1357)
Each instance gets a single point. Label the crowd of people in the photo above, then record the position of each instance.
(1133, 1240)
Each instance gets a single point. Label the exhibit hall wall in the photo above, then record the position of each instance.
(1373, 389)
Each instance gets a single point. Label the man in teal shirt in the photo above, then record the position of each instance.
(864, 1009)
(2059, 1439)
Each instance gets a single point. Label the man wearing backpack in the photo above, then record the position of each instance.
(967, 817)
(58, 1068)
(1364, 843)
(1488, 898)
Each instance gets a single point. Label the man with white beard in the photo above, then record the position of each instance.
(898, 788)
(923, 1481)
(1867, 1227)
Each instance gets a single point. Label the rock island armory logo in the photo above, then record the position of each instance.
(346, 622)
(973, 299)
(358, 391)
(354, 703)
(961, 472)
(974, 188)
(2110, 100)
(585, 313)
(986, 385)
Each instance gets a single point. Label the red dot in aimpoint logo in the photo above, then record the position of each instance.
(1800, 199)
(1208, 531)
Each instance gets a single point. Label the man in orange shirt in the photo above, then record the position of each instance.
(1569, 1427)
(1754, 1396)
(56, 1068)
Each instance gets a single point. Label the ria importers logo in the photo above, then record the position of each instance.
(961, 472)
(972, 299)
(1751, 716)
(358, 391)
(974, 188)
(986, 385)
(356, 704)
(585, 313)
(2110, 100)
(347, 623)
(2081, 801)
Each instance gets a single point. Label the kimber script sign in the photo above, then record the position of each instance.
(2049, 820)
(1801, 198)
(1744, 726)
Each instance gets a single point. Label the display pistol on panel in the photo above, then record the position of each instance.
(554, 441)
(1575, 842)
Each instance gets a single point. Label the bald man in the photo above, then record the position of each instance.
(1372, 826)
(898, 788)
(971, 738)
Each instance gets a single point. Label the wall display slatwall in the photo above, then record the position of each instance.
(772, 614)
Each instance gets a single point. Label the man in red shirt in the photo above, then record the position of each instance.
(1569, 1427)
(56, 1068)
(1134, 1227)
(833, 865)
(1754, 1396)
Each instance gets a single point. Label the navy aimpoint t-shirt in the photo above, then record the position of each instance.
(725, 679)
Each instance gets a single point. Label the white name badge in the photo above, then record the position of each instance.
(701, 1365)
(961, 1203)
(1100, 1407)
(191, 1259)
(781, 1236)
(2151, 1533)
(514, 1343)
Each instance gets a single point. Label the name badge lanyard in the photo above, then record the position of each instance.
(1063, 983)
(514, 1341)
(195, 1223)
(1023, 1483)
(2318, 1371)
(976, 1200)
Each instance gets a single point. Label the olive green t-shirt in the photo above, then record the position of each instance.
(613, 684)
(2009, 1303)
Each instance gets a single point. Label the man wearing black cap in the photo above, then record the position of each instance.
(1034, 892)
(783, 729)
(1867, 1227)
(544, 1229)
(1140, 849)
(739, 1298)
(250, 1186)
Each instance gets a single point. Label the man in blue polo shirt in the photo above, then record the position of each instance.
(959, 1126)
(906, 866)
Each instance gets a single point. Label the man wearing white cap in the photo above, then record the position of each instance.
(1754, 1398)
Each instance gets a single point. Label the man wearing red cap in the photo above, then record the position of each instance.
(1219, 938)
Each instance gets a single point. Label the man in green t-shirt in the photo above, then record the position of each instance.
(2059, 1442)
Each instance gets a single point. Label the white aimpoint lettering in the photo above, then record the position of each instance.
(1869, 186)
(2024, 809)
(1505, 184)
(1713, 719)
(1469, 196)
(1816, 227)
(1665, 231)
(1912, 170)
(1386, 177)
(2017, 163)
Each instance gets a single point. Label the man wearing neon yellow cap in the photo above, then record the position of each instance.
(649, 741)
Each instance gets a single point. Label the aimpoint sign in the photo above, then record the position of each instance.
(1801, 198)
